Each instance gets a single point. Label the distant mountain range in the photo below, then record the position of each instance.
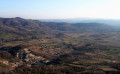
(34, 26)
(85, 20)
(20, 28)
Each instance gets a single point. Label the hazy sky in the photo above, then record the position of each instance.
(52, 9)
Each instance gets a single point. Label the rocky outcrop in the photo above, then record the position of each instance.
(27, 56)
(4, 62)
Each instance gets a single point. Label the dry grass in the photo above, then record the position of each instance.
(106, 68)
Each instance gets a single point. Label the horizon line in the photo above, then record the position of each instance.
(84, 18)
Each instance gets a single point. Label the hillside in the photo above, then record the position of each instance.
(24, 27)
(18, 28)
(32, 46)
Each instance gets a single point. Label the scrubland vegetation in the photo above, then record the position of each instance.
(34, 47)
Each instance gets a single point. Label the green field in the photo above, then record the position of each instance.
(5, 36)
(112, 52)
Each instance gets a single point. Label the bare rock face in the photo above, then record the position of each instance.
(4, 62)
(26, 55)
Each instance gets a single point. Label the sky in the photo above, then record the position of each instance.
(60, 9)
